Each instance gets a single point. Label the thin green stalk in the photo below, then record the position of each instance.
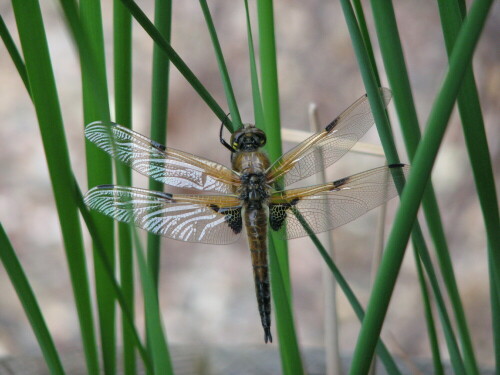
(99, 172)
(451, 341)
(162, 364)
(120, 296)
(123, 112)
(269, 80)
(282, 302)
(372, 90)
(281, 298)
(95, 238)
(257, 100)
(469, 108)
(495, 311)
(393, 57)
(386, 137)
(360, 16)
(279, 264)
(431, 327)
(290, 356)
(159, 113)
(13, 52)
(226, 81)
(382, 351)
(153, 32)
(43, 90)
(270, 104)
(30, 305)
(414, 190)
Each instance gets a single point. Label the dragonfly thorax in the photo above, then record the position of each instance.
(254, 190)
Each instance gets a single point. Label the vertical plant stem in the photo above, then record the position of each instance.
(431, 327)
(414, 190)
(13, 52)
(30, 305)
(382, 351)
(139, 15)
(291, 360)
(226, 82)
(99, 172)
(45, 99)
(270, 103)
(495, 311)
(127, 313)
(162, 364)
(392, 54)
(391, 152)
(373, 91)
(269, 79)
(360, 15)
(123, 113)
(256, 96)
(469, 108)
(279, 265)
(95, 237)
(159, 113)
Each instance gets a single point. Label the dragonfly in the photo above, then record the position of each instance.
(249, 195)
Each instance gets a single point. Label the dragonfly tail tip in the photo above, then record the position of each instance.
(267, 335)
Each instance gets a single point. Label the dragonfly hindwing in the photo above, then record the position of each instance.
(278, 213)
(232, 216)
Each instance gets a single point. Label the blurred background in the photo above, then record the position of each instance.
(207, 292)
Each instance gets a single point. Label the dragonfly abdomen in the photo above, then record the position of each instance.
(256, 225)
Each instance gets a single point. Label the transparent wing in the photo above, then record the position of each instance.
(211, 219)
(169, 166)
(326, 147)
(328, 206)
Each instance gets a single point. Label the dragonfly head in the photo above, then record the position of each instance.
(248, 138)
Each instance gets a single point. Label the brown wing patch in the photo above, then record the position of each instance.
(326, 147)
(169, 166)
(328, 206)
(208, 219)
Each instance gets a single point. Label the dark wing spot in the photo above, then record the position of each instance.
(232, 216)
(167, 196)
(331, 125)
(158, 145)
(338, 183)
(278, 213)
(396, 165)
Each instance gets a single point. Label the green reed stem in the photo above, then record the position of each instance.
(431, 327)
(99, 172)
(123, 301)
(257, 99)
(226, 81)
(279, 264)
(390, 45)
(13, 52)
(95, 238)
(414, 190)
(469, 108)
(30, 305)
(382, 350)
(122, 33)
(154, 328)
(159, 113)
(153, 32)
(45, 99)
